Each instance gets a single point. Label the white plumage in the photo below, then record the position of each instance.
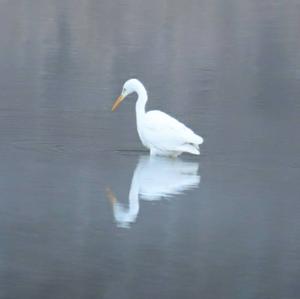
(158, 131)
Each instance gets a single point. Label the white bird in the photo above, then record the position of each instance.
(158, 131)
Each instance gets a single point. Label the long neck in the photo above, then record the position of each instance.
(141, 102)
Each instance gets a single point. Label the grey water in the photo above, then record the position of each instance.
(84, 211)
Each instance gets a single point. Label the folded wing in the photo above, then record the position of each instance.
(167, 132)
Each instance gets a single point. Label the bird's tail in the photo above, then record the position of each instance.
(190, 148)
(198, 139)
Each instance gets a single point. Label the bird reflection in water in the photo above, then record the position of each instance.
(154, 178)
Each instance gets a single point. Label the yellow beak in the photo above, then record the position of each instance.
(117, 102)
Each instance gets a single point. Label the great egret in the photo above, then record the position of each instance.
(158, 131)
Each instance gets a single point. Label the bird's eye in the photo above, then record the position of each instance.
(124, 90)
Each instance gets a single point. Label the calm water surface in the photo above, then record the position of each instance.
(86, 214)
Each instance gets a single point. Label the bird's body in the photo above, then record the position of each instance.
(159, 132)
(164, 135)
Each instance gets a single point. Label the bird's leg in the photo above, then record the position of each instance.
(174, 155)
(153, 152)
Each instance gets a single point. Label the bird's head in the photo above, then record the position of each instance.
(129, 87)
